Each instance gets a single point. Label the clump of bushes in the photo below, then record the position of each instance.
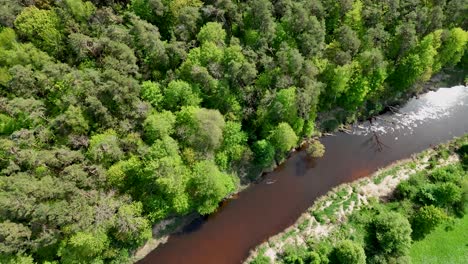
(315, 149)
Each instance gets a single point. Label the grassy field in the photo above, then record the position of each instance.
(447, 247)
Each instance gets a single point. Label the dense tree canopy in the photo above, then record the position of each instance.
(115, 115)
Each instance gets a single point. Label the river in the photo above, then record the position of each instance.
(275, 203)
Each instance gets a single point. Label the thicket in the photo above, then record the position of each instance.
(117, 114)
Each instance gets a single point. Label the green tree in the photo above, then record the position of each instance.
(80, 10)
(16, 259)
(159, 125)
(390, 235)
(212, 32)
(42, 27)
(452, 48)
(284, 107)
(130, 227)
(72, 121)
(105, 148)
(200, 129)
(148, 10)
(348, 252)
(83, 247)
(179, 94)
(208, 186)
(259, 22)
(315, 149)
(264, 153)
(283, 137)
(14, 236)
(234, 143)
(425, 220)
(151, 92)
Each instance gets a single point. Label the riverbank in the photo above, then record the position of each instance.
(443, 246)
(332, 210)
(278, 200)
(177, 225)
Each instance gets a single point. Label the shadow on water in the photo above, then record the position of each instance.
(275, 203)
(304, 164)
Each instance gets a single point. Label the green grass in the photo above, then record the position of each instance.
(445, 247)
(379, 178)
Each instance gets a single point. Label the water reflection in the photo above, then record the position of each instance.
(430, 106)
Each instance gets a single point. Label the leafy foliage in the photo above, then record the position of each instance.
(117, 114)
(348, 252)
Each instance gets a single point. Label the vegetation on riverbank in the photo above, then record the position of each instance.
(119, 114)
(376, 219)
(443, 245)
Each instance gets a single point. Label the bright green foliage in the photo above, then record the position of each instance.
(151, 92)
(264, 153)
(417, 65)
(176, 6)
(348, 252)
(391, 234)
(284, 108)
(18, 259)
(83, 247)
(42, 27)
(283, 137)
(441, 194)
(200, 128)
(425, 220)
(131, 228)
(159, 125)
(80, 10)
(443, 245)
(294, 255)
(178, 94)
(72, 121)
(209, 186)
(212, 32)
(299, 255)
(354, 17)
(453, 48)
(316, 149)
(105, 147)
(261, 260)
(117, 114)
(233, 145)
(13, 53)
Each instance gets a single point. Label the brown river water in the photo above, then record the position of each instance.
(267, 208)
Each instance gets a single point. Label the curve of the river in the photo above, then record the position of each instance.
(265, 209)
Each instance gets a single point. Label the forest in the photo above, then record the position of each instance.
(118, 114)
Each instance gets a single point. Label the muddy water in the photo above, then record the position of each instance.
(267, 208)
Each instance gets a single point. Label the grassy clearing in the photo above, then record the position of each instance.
(443, 246)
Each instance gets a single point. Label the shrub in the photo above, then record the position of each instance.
(390, 235)
(425, 220)
(316, 149)
(294, 255)
(348, 252)
(261, 259)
